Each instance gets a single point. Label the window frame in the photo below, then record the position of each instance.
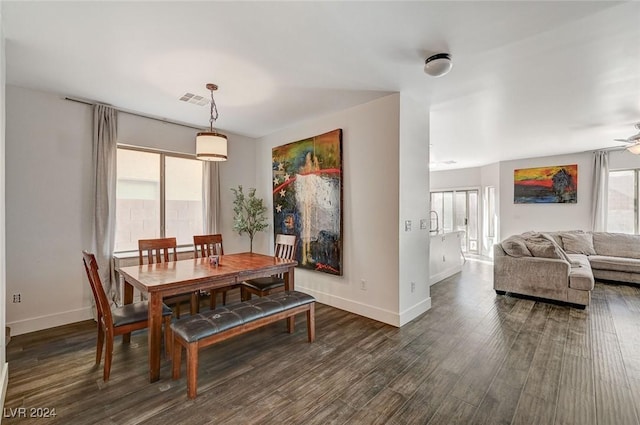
(162, 158)
(636, 195)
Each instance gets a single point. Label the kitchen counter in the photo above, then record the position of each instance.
(445, 257)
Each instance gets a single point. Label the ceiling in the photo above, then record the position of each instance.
(529, 78)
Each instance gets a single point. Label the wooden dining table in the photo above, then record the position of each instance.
(184, 276)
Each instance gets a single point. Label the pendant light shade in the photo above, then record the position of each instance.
(211, 145)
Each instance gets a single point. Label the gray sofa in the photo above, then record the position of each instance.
(562, 266)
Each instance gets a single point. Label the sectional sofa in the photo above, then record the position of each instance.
(562, 266)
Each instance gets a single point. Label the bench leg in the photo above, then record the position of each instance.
(311, 322)
(291, 324)
(192, 369)
(176, 359)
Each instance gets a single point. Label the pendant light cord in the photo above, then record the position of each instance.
(214, 109)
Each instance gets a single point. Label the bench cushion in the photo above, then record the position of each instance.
(211, 322)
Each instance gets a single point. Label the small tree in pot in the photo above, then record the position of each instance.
(249, 214)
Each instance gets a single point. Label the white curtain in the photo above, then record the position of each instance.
(600, 191)
(105, 129)
(210, 197)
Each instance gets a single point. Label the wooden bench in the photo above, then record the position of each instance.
(209, 327)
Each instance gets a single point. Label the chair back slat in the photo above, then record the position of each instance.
(285, 246)
(206, 245)
(103, 306)
(157, 250)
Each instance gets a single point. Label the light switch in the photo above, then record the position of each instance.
(423, 224)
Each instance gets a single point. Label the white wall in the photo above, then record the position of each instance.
(623, 160)
(49, 209)
(518, 218)
(490, 176)
(463, 178)
(49, 200)
(414, 206)
(370, 215)
(4, 372)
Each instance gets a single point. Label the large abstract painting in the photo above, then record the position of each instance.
(307, 199)
(544, 185)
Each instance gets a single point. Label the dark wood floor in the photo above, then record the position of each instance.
(473, 358)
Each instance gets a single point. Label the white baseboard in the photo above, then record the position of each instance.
(444, 274)
(415, 311)
(4, 382)
(381, 315)
(39, 323)
(375, 313)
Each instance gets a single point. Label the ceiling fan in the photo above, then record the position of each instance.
(634, 141)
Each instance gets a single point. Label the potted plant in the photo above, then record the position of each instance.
(249, 213)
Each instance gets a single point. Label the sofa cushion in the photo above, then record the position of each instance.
(578, 243)
(581, 278)
(515, 247)
(620, 264)
(617, 244)
(580, 275)
(579, 260)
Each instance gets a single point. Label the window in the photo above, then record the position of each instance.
(622, 202)
(157, 195)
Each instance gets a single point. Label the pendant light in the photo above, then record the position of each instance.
(210, 145)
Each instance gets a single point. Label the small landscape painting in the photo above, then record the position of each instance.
(307, 199)
(546, 185)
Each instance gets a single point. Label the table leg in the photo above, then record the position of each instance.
(155, 335)
(288, 279)
(128, 299)
(289, 286)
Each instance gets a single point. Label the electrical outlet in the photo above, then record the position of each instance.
(363, 285)
(407, 225)
(413, 287)
(423, 224)
(17, 298)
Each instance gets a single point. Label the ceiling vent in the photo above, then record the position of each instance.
(195, 99)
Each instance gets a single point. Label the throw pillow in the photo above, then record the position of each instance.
(515, 246)
(542, 247)
(563, 255)
(578, 243)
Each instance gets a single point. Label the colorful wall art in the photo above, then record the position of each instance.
(307, 199)
(545, 185)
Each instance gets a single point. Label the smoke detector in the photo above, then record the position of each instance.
(438, 64)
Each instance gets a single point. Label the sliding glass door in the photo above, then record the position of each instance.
(457, 210)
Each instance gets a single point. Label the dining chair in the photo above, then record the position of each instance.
(120, 320)
(203, 247)
(163, 250)
(286, 249)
